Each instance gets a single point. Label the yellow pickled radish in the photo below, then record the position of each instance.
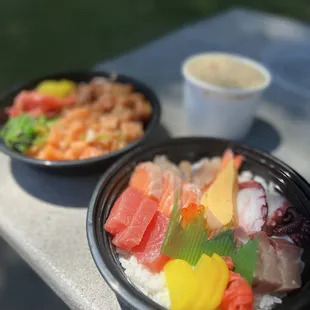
(212, 274)
(182, 284)
(61, 88)
(222, 280)
(207, 275)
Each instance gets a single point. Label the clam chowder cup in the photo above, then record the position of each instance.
(218, 111)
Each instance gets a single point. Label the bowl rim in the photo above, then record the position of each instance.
(149, 94)
(259, 67)
(122, 292)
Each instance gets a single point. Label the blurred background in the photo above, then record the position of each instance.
(40, 37)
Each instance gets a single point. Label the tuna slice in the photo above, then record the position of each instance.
(171, 186)
(278, 267)
(123, 211)
(147, 178)
(267, 276)
(190, 193)
(289, 264)
(132, 235)
(148, 251)
(251, 206)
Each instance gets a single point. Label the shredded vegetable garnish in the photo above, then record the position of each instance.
(194, 240)
(20, 132)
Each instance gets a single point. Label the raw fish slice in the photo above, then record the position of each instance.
(186, 170)
(240, 237)
(205, 171)
(132, 235)
(190, 193)
(289, 256)
(148, 251)
(123, 211)
(267, 276)
(147, 178)
(228, 156)
(171, 186)
(165, 164)
(251, 206)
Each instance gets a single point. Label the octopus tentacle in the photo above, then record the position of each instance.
(293, 224)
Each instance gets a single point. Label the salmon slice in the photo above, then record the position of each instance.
(171, 186)
(228, 156)
(190, 194)
(123, 211)
(147, 178)
(148, 251)
(132, 235)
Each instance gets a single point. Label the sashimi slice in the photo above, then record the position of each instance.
(147, 178)
(251, 206)
(190, 194)
(205, 171)
(132, 235)
(148, 251)
(171, 186)
(228, 156)
(123, 211)
(165, 164)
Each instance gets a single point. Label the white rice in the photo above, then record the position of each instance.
(154, 286)
(151, 284)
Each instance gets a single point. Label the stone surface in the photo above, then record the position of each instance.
(43, 216)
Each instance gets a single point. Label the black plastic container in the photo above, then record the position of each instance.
(112, 183)
(84, 165)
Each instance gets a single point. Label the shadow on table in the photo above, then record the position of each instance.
(20, 287)
(61, 189)
(262, 136)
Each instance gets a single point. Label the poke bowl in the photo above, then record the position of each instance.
(163, 217)
(76, 119)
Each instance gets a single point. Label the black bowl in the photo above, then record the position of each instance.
(91, 163)
(113, 182)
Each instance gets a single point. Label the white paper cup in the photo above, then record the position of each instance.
(217, 111)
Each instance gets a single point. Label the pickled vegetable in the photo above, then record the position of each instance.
(212, 275)
(182, 284)
(61, 89)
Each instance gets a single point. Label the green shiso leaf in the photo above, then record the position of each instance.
(245, 259)
(223, 246)
(171, 242)
(191, 242)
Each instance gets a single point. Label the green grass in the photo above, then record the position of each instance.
(43, 36)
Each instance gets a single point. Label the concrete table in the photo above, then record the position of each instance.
(43, 216)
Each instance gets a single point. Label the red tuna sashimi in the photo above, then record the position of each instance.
(190, 194)
(171, 185)
(147, 178)
(123, 211)
(132, 235)
(148, 251)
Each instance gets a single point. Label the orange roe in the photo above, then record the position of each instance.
(189, 213)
